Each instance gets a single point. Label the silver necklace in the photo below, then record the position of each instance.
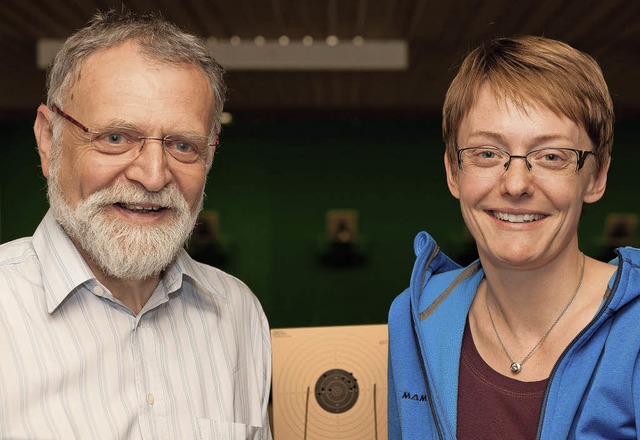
(516, 367)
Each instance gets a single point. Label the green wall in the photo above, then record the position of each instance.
(272, 183)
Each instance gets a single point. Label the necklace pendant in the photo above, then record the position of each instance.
(515, 368)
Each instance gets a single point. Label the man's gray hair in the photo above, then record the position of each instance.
(159, 40)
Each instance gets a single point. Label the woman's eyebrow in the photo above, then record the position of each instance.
(502, 138)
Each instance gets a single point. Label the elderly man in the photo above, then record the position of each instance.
(108, 328)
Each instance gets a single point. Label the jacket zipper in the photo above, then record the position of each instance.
(575, 340)
(432, 407)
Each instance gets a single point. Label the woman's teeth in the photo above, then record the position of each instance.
(517, 218)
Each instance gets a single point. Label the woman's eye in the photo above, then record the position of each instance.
(553, 155)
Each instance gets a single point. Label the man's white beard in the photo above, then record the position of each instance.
(123, 250)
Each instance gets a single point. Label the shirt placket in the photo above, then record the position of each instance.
(150, 388)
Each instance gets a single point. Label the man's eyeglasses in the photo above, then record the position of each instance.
(120, 141)
(491, 162)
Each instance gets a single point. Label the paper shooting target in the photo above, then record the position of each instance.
(330, 383)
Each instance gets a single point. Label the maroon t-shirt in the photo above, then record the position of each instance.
(493, 406)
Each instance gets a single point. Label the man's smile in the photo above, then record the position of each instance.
(142, 209)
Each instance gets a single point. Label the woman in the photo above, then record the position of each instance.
(534, 339)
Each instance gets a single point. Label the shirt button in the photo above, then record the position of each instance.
(98, 290)
(150, 399)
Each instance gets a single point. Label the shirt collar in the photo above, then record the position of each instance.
(63, 268)
(199, 274)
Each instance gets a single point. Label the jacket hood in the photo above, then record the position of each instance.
(627, 276)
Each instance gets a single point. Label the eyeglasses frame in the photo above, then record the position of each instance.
(580, 154)
(86, 129)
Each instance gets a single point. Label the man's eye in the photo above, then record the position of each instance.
(184, 147)
(184, 150)
(114, 138)
(115, 142)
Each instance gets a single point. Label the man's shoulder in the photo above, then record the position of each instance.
(20, 268)
(230, 293)
(16, 251)
(218, 283)
(219, 278)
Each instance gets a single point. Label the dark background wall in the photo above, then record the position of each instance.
(272, 183)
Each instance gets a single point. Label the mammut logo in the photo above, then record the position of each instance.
(418, 397)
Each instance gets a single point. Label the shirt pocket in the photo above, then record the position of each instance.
(210, 429)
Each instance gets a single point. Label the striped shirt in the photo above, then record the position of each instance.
(77, 364)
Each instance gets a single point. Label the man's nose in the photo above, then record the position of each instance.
(150, 167)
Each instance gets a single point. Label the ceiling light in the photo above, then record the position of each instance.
(332, 40)
(296, 55)
(344, 55)
(283, 40)
(226, 118)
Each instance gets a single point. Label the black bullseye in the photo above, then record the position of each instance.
(337, 391)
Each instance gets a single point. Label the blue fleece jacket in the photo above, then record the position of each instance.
(594, 388)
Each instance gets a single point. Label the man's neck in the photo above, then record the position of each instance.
(132, 293)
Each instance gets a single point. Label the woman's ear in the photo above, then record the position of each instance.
(597, 184)
(44, 137)
(452, 176)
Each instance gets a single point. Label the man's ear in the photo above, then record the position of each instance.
(44, 137)
(597, 184)
(452, 177)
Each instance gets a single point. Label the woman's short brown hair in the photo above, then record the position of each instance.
(534, 70)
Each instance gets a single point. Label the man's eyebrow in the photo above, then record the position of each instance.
(121, 123)
(189, 134)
